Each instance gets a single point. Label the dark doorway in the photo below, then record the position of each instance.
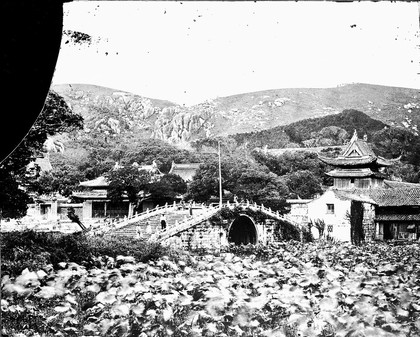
(242, 231)
(387, 231)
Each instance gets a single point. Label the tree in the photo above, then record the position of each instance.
(148, 150)
(13, 200)
(62, 179)
(319, 224)
(257, 185)
(129, 182)
(303, 184)
(167, 188)
(290, 162)
(205, 182)
(56, 117)
(71, 214)
(242, 177)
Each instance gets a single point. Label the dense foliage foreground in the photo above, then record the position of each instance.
(289, 289)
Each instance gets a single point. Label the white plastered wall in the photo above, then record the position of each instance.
(317, 209)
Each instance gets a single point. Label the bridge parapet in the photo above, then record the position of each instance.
(158, 210)
(163, 235)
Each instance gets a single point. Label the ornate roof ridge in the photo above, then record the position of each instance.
(358, 152)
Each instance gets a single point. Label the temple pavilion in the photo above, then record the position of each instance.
(389, 209)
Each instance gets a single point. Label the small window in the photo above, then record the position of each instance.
(352, 180)
(330, 208)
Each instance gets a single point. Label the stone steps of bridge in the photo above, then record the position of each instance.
(151, 225)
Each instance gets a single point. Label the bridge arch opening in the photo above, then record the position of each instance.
(242, 231)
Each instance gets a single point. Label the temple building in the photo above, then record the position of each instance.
(96, 203)
(185, 171)
(361, 193)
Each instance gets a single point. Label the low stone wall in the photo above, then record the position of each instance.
(368, 222)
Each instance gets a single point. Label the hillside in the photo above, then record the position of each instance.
(115, 112)
(118, 114)
(266, 109)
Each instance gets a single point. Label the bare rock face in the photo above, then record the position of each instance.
(180, 124)
(115, 113)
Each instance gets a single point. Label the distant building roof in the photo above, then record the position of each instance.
(100, 182)
(317, 149)
(185, 171)
(153, 168)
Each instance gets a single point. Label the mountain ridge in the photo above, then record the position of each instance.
(115, 112)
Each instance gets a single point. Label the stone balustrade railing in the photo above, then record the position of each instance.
(188, 223)
(112, 225)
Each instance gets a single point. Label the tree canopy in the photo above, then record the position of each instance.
(56, 117)
(242, 177)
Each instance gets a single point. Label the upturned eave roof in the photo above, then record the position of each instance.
(96, 183)
(357, 153)
(348, 161)
(355, 173)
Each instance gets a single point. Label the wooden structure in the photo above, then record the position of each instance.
(391, 209)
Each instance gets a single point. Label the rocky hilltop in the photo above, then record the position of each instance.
(112, 112)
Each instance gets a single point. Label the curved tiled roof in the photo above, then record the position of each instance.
(97, 182)
(185, 171)
(347, 161)
(357, 153)
(396, 196)
(384, 197)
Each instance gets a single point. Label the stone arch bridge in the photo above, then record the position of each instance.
(207, 227)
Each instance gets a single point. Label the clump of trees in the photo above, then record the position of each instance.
(136, 184)
(55, 118)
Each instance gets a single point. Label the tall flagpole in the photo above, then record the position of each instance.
(220, 180)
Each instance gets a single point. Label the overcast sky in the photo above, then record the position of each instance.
(187, 52)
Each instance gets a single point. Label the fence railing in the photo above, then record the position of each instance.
(184, 225)
(113, 225)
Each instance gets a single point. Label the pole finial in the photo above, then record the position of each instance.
(354, 138)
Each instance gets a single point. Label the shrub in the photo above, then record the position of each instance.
(34, 250)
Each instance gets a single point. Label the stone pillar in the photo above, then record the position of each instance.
(130, 209)
(87, 209)
(54, 210)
